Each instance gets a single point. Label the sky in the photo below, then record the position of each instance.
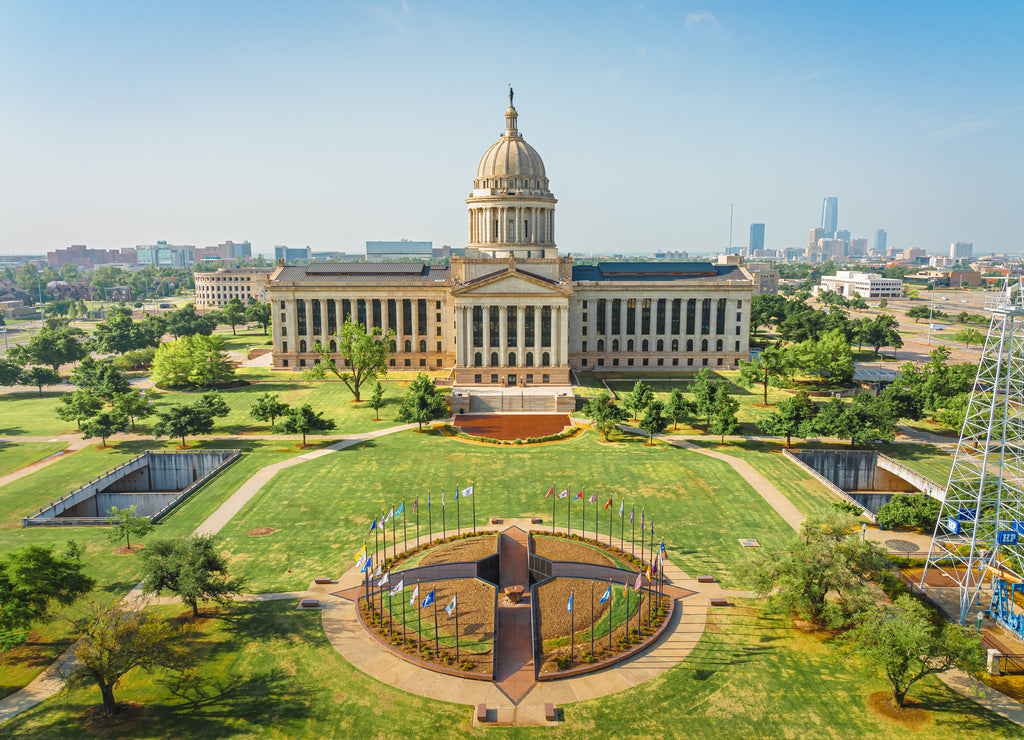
(328, 124)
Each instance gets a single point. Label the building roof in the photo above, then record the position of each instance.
(328, 273)
(510, 156)
(656, 271)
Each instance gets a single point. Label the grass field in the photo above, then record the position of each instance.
(15, 455)
(323, 508)
(267, 670)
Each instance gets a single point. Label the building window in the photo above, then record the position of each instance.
(689, 361)
(675, 345)
(689, 345)
(660, 328)
(282, 305)
(739, 316)
(616, 315)
(478, 378)
(284, 331)
(494, 377)
(529, 360)
(529, 377)
(704, 362)
(645, 316)
(408, 362)
(631, 315)
(720, 317)
(333, 346)
(407, 317)
(408, 345)
(600, 316)
(332, 317)
(284, 363)
(718, 346)
(615, 345)
(284, 346)
(437, 306)
(423, 362)
(630, 362)
(691, 316)
(545, 359)
(315, 308)
(544, 378)
(511, 327)
(629, 345)
(361, 312)
(583, 330)
(703, 345)
(478, 326)
(737, 345)
(511, 359)
(392, 314)
(584, 345)
(438, 330)
(529, 327)
(421, 316)
(438, 346)
(545, 326)
(302, 345)
(300, 316)
(600, 362)
(423, 345)
(705, 316)
(661, 345)
(494, 359)
(492, 326)
(645, 347)
(282, 317)
(600, 345)
(583, 362)
(478, 360)
(719, 360)
(302, 363)
(739, 304)
(376, 312)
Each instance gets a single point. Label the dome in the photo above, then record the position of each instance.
(511, 156)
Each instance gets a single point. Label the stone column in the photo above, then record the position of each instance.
(324, 334)
(668, 324)
(291, 323)
(622, 324)
(502, 336)
(520, 335)
(556, 334)
(537, 313)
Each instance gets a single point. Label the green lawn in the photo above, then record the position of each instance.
(31, 415)
(928, 460)
(18, 455)
(267, 670)
(323, 508)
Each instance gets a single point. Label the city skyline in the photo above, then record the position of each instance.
(330, 126)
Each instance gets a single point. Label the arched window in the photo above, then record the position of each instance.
(629, 345)
(511, 359)
(718, 346)
(600, 345)
(675, 345)
(703, 345)
(661, 345)
(529, 359)
(408, 345)
(689, 345)
(494, 359)
(334, 346)
(478, 359)
(423, 345)
(615, 345)
(646, 346)
(302, 345)
(545, 359)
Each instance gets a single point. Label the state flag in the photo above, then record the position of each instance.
(401, 508)
(467, 492)
(429, 600)
(568, 607)
(373, 526)
(621, 504)
(593, 498)
(608, 505)
(361, 555)
(564, 494)
(632, 510)
(639, 581)
(579, 495)
(607, 595)
(550, 493)
(390, 514)
(415, 595)
(400, 586)
(384, 580)
(451, 607)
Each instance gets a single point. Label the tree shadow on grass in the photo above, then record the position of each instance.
(249, 621)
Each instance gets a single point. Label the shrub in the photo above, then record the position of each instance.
(562, 661)
(467, 665)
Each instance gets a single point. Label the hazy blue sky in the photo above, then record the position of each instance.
(332, 123)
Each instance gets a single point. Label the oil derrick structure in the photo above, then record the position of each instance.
(982, 516)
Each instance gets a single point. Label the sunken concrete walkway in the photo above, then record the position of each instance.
(524, 705)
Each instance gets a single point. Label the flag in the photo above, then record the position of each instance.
(442, 498)
(467, 492)
(429, 600)
(564, 493)
(366, 565)
(401, 508)
(551, 492)
(451, 607)
(663, 547)
(373, 526)
(641, 520)
(415, 595)
(390, 514)
(384, 580)
(639, 581)
(648, 572)
(380, 567)
(568, 607)
(609, 502)
(625, 586)
(416, 504)
(428, 499)
(607, 595)
(621, 504)
(631, 511)
(593, 498)
(654, 567)
(361, 555)
(579, 495)
(398, 587)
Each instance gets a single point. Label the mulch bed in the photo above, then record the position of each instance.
(912, 716)
(261, 531)
(512, 426)
(558, 549)
(476, 622)
(462, 551)
(128, 715)
(125, 550)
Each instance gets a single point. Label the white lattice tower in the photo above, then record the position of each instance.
(985, 494)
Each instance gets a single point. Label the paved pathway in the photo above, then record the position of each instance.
(515, 668)
(74, 446)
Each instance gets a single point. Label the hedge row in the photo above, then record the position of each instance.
(564, 434)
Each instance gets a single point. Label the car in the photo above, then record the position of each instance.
(166, 305)
(963, 300)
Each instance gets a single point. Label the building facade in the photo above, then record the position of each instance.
(864, 284)
(291, 254)
(404, 249)
(830, 215)
(961, 250)
(755, 245)
(512, 311)
(215, 289)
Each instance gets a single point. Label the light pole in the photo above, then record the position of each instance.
(863, 531)
(931, 311)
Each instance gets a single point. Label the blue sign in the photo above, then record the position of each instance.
(953, 525)
(1018, 526)
(1006, 538)
(965, 515)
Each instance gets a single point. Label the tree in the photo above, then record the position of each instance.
(186, 322)
(638, 398)
(188, 420)
(918, 511)
(127, 522)
(38, 377)
(830, 356)
(120, 333)
(677, 406)
(424, 403)
(52, 346)
(722, 420)
(233, 313)
(77, 406)
(32, 579)
(303, 420)
(827, 556)
(955, 412)
(913, 294)
(654, 421)
(771, 363)
(214, 403)
(267, 407)
(902, 641)
(969, 336)
(703, 394)
(766, 309)
(113, 641)
(188, 567)
(884, 303)
(135, 404)
(10, 371)
(101, 379)
(604, 413)
(863, 421)
(104, 425)
(883, 333)
(192, 361)
(919, 312)
(258, 313)
(364, 356)
(377, 400)
(792, 417)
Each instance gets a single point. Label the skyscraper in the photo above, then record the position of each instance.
(756, 242)
(830, 215)
(880, 236)
(961, 250)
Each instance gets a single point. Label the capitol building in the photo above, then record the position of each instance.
(514, 312)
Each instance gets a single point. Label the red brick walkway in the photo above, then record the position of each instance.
(515, 671)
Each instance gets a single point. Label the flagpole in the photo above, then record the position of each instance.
(403, 615)
(584, 514)
(609, 526)
(553, 499)
(375, 539)
(474, 509)
(419, 622)
(416, 508)
(591, 619)
(456, 626)
(384, 538)
(611, 601)
(391, 622)
(572, 629)
(437, 642)
(458, 511)
(394, 541)
(568, 513)
(444, 527)
(622, 524)
(405, 531)
(430, 523)
(632, 536)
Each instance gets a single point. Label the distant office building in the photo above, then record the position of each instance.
(669, 255)
(843, 235)
(756, 243)
(215, 289)
(864, 284)
(858, 248)
(225, 252)
(81, 256)
(914, 253)
(766, 277)
(292, 254)
(830, 215)
(792, 254)
(961, 250)
(163, 254)
(404, 249)
(880, 237)
(832, 249)
(940, 260)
